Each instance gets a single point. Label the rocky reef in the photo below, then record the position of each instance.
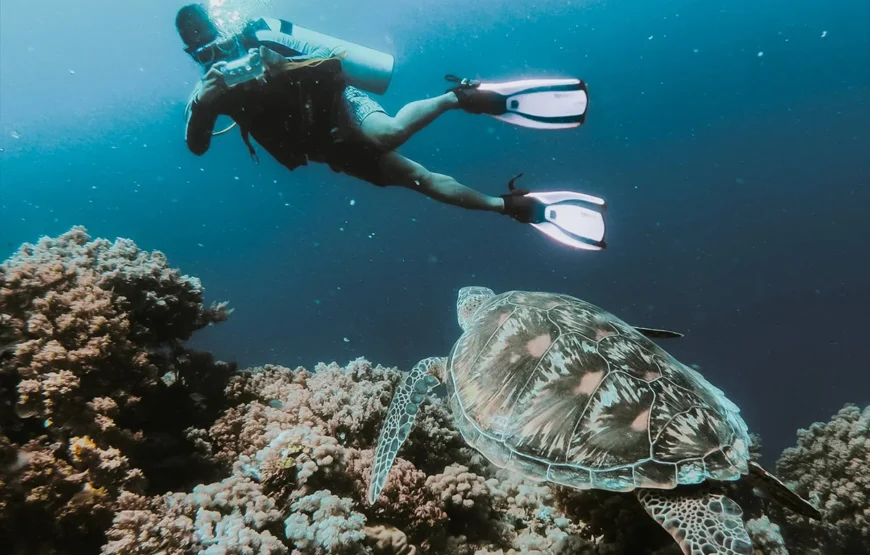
(116, 438)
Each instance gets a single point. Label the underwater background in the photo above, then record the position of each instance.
(729, 139)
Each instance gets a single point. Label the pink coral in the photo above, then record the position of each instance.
(459, 488)
(303, 433)
(830, 465)
(91, 350)
(531, 512)
(323, 523)
(88, 328)
(405, 502)
(144, 526)
(232, 516)
(388, 540)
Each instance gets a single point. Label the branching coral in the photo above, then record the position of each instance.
(615, 522)
(450, 501)
(307, 438)
(469, 501)
(405, 502)
(831, 467)
(279, 440)
(323, 523)
(91, 354)
(766, 536)
(304, 432)
(229, 517)
(530, 511)
(93, 336)
(388, 540)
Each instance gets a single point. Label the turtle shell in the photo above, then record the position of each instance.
(558, 389)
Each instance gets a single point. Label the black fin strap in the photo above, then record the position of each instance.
(513, 188)
(465, 83)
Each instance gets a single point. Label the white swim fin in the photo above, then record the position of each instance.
(533, 103)
(571, 218)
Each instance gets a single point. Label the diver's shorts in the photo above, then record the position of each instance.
(357, 107)
(351, 153)
(358, 158)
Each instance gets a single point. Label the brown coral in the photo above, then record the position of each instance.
(830, 465)
(91, 353)
(96, 326)
(232, 516)
(388, 540)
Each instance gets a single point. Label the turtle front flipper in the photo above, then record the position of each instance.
(700, 521)
(400, 419)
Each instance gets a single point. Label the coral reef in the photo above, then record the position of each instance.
(94, 355)
(273, 460)
(308, 437)
(766, 536)
(232, 516)
(306, 440)
(831, 467)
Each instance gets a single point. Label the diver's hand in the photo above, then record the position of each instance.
(212, 86)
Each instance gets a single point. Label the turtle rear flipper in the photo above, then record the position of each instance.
(772, 488)
(655, 333)
(700, 521)
(400, 420)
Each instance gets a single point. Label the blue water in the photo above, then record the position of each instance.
(730, 140)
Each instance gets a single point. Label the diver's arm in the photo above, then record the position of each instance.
(201, 111)
(200, 124)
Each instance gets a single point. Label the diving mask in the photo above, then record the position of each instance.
(216, 51)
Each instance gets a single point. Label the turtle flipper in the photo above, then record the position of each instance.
(700, 522)
(654, 333)
(400, 420)
(772, 488)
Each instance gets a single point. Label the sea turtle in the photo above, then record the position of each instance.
(559, 390)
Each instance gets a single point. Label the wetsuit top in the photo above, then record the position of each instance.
(291, 115)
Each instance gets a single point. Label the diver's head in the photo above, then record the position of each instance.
(195, 27)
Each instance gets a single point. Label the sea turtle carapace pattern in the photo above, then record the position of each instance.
(558, 389)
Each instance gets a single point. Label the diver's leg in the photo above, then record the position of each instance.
(389, 133)
(398, 170)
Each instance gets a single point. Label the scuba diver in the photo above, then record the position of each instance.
(300, 95)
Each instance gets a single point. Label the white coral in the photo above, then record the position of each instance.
(323, 523)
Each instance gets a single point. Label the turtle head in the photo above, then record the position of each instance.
(469, 300)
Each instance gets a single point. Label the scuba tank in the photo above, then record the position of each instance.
(363, 68)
